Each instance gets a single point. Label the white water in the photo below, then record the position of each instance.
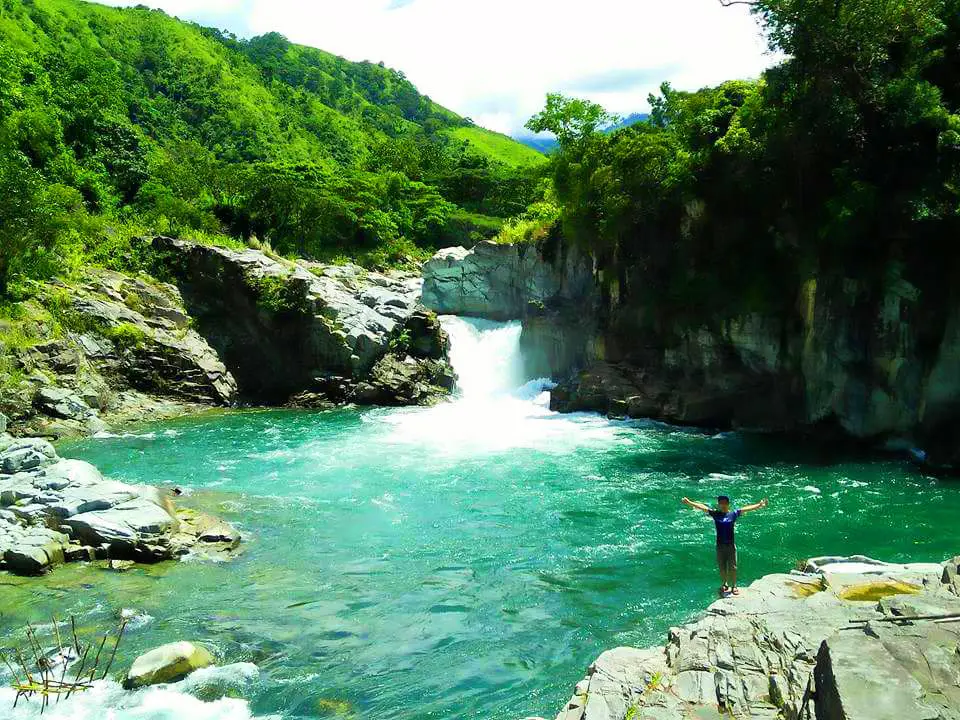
(496, 407)
(107, 700)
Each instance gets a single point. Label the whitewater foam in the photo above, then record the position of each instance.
(107, 700)
(495, 407)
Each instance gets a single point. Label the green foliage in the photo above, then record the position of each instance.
(278, 294)
(499, 147)
(841, 162)
(115, 123)
(531, 226)
(570, 119)
(126, 336)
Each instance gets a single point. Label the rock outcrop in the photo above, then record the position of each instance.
(54, 510)
(874, 374)
(315, 333)
(166, 664)
(833, 643)
(505, 282)
(881, 367)
(111, 349)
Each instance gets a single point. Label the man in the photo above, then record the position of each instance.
(725, 518)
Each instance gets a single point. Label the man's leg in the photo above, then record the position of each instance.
(732, 567)
(722, 566)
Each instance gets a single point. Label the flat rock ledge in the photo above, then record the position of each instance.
(822, 644)
(54, 510)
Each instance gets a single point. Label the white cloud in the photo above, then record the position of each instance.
(495, 60)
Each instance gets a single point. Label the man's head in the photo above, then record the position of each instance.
(723, 503)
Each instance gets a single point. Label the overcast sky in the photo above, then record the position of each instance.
(495, 60)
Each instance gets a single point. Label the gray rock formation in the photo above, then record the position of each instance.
(504, 282)
(319, 333)
(801, 646)
(54, 510)
(118, 349)
(884, 369)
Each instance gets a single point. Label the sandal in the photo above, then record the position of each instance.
(735, 591)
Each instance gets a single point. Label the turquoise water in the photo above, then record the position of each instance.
(465, 561)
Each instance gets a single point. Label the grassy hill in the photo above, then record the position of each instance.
(499, 147)
(116, 120)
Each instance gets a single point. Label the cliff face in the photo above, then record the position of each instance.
(878, 369)
(314, 334)
(108, 348)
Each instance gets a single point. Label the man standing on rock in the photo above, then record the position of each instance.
(725, 518)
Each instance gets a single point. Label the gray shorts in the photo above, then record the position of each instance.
(727, 558)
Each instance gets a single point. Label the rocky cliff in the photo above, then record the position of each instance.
(834, 642)
(309, 332)
(106, 349)
(230, 326)
(880, 368)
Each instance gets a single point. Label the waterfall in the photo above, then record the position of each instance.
(486, 356)
(495, 407)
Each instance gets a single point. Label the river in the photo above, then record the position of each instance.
(462, 561)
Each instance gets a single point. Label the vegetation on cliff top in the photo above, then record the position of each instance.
(841, 162)
(117, 121)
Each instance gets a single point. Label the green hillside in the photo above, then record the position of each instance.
(499, 147)
(121, 120)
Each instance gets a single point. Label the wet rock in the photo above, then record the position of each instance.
(220, 533)
(96, 516)
(120, 565)
(759, 654)
(137, 528)
(167, 664)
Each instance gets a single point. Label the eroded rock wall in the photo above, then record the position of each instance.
(315, 333)
(837, 358)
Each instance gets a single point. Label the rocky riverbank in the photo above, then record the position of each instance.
(230, 327)
(54, 510)
(833, 642)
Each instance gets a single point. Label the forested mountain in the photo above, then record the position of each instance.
(119, 120)
(841, 164)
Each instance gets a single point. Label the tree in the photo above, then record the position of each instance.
(570, 119)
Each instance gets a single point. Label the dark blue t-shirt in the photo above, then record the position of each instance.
(724, 523)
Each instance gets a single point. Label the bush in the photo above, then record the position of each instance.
(126, 336)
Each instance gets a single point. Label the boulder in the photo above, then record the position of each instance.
(62, 403)
(166, 664)
(3, 423)
(790, 642)
(858, 678)
(96, 516)
(26, 454)
(137, 528)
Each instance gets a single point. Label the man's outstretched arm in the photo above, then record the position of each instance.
(696, 505)
(756, 506)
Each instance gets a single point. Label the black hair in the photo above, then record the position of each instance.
(723, 499)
